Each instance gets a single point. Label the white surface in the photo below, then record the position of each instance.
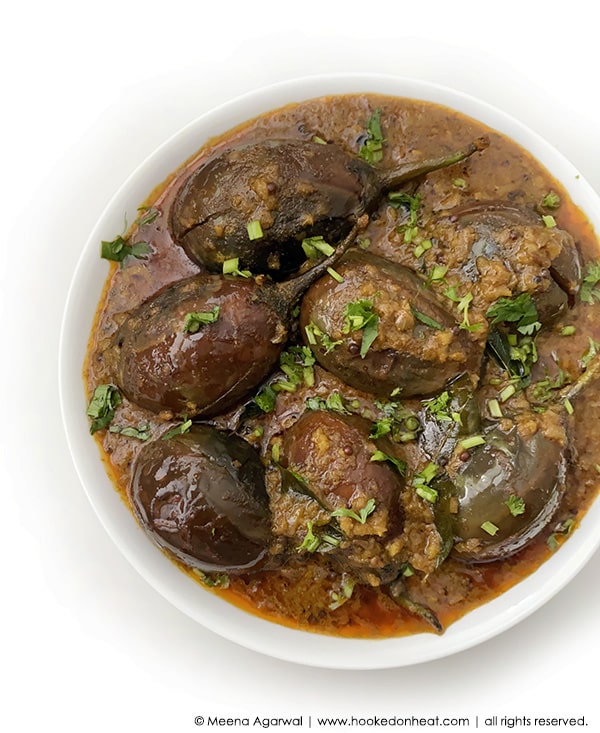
(87, 94)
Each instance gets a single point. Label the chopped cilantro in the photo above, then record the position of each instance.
(520, 310)
(150, 213)
(232, 267)
(515, 505)
(141, 433)
(550, 201)
(266, 398)
(297, 364)
(219, 580)
(120, 248)
(195, 319)
(180, 429)
(372, 148)
(411, 205)
(360, 316)
(396, 420)
(101, 409)
(315, 246)
(379, 455)
(313, 332)
(589, 292)
(462, 304)
(334, 402)
(426, 320)
(490, 528)
(311, 542)
(254, 230)
(338, 599)
(438, 406)
(542, 391)
(561, 529)
(437, 274)
(422, 480)
(362, 515)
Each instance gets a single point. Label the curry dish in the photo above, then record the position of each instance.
(343, 368)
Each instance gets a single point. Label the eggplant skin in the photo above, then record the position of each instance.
(161, 367)
(531, 469)
(294, 188)
(407, 357)
(333, 453)
(201, 496)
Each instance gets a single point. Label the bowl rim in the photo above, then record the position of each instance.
(200, 604)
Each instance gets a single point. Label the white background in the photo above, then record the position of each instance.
(88, 91)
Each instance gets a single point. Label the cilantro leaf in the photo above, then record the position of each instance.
(119, 248)
(426, 320)
(266, 398)
(180, 429)
(379, 455)
(520, 311)
(360, 316)
(150, 214)
(362, 515)
(141, 433)
(334, 402)
(372, 148)
(313, 332)
(311, 542)
(550, 201)
(589, 292)
(515, 505)
(195, 319)
(101, 409)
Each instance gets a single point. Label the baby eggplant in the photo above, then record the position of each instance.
(511, 486)
(508, 492)
(203, 344)
(381, 330)
(346, 490)
(287, 190)
(543, 259)
(201, 496)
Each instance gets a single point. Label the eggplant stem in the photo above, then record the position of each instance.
(572, 390)
(397, 593)
(407, 171)
(287, 293)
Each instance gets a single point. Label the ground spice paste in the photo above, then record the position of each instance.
(369, 535)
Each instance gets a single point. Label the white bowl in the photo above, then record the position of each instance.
(204, 606)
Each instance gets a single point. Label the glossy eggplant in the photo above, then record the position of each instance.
(288, 190)
(201, 496)
(502, 230)
(511, 485)
(347, 489)
(203, 344)
(508, 492)
(418, 347)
